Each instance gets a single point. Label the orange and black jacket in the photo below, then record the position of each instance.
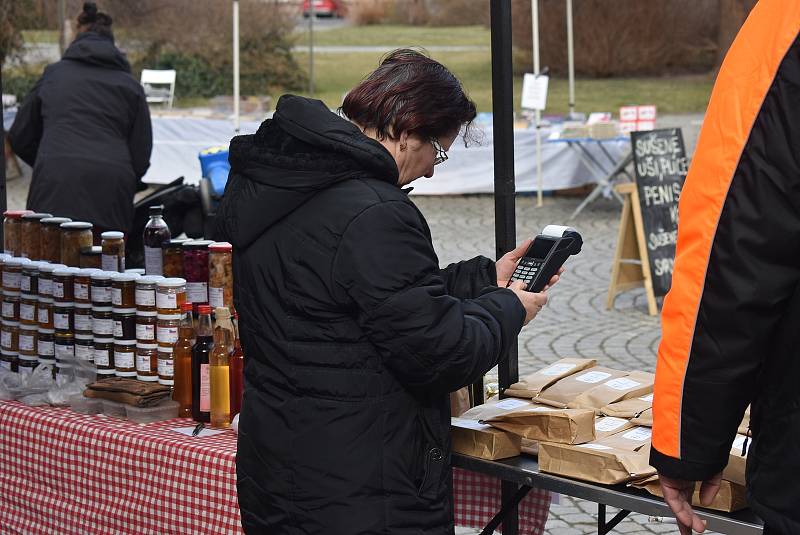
(731, 321)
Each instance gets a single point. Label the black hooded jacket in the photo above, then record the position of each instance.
(85, 129)
(353, 335)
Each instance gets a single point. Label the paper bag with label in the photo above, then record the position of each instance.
(731, 496)
(530, 385)
(566, 426)
(628, 408)
(635, 384)
(484, 441)
(735, 471)
(496, 406)
(605, 426)
(611, 460)
(645, 418)
(567, 389)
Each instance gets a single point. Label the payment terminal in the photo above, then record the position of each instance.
(546, 255)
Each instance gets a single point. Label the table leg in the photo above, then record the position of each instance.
(509, 507)
(603, 527)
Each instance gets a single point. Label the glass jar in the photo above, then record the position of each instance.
(123, 290)
(12, 223)
(28, 334)
(9, 361)
(170, 295)
(29, 278)
(195, 267)
(101, 289)
(26, 365)
(124, 323)
(82, 285)
(167, 329)
(10, 309)
(63, 284)
(113, 251)
(27, 309)
(84, 347)
(91, 257)
(83, 319)
(166, 366)
(103, 352)
(45, 281)
(45, 345)
(9, 336)
(125, 358)
(63, 317)
(12, 273)
(147, 362)
(50, 239)
(30, 235)
(102, 322)
(146, 292)
(220, 275)
(44, 314)
(75, 235)
(173, 257)
(146, 321)
(65, 347)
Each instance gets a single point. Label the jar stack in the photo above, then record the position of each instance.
(170, 296)
(146, 329)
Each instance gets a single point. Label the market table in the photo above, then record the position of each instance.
(64, 472)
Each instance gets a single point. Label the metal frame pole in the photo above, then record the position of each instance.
(3, 191)
(571, 59)
(236, 66)
(311, 16)
(537, 113)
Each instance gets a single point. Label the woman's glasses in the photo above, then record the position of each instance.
(441, 154)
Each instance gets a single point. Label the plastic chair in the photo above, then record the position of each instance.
(163, 95)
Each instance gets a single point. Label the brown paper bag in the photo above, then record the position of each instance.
(459, 401)
(735, 471)
(731, 496)
(567, 426)
(605, 426)
(531, 447)
(645, 418)
(628, 408)
(562, 392)
(635, 384)
(480, 440)
(530, 385)
(744, 427)
(494, 407)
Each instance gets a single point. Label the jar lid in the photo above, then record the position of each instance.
(68, 304)
(138, 271)
(101, 309)
(187, 307)
(165, 349)
(76, 225)
(27, 358)
(147, 313)
(221, 246)
(10, 293)
(175, 242)
(94, 250)
(87, 272)
(25, 327)
(10, 323)
(126, 277)
(45, 300)
(16, 214)
(8, 353)
(65, 272)
(197, 244)
(124, 342)
(148, 279)
(99, 340)
(112, 235)
(46, 331)
(17, 261)
(4, 257)
(84, 337)
(101, 275)
(37, 216)
(33, 265)
(50, 268)
(28, 296)
(84, 306)
(204, 309)
(55, 221)
(174, 282)
(147, 346)
(169, 316)
(123, 310)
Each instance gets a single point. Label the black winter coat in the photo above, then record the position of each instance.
(353, 335)
(85, 129)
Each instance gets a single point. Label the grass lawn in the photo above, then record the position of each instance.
(397, 36)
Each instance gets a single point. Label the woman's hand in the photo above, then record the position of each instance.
(533, 302)
(508, 263)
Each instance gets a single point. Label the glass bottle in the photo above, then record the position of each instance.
(182, 359)
(237, 370)
(201, 386)
(156, 234)
(219, 367)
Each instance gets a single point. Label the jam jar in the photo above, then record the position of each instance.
(83, 319)
(82, 285)
(65, 347)
(50, 239)
(146, 321)
(30, 235)
(123, 290)
(125, 358)
(172, 252)
(170, 295)
(84, 347)
(44, 314)
(91, 257)
(101, 289)
(12, 273)
(166, 366)
(63, 317)
(10, 307)
(27, 309)
(45, 281)
(12, 225)
(45, 345)
(147, 362)
(9, 361)
(75, 235)
(167, 329)
(103, 352)
(220, 275)
(102, 322)
(113, 251)
(146, 292)
(63, 284)
(29, 277)
(195, 268)
(9, 336)
(124, 323)
(26, 365)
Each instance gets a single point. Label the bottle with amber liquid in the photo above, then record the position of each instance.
(156, 234)
(201, 375)
(182, 358)
(220, 369)
(237, 370)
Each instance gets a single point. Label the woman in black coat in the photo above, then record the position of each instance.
(354, 336)
(85, 130)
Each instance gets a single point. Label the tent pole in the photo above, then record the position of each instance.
(571, 59)
(537, 113)
(236, 66)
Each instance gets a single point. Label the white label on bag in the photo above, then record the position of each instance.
(738, 443)
(545, 409)
(197, 292)
(26, 342)
(557, 369)
(594, 447)
(83, 352)
(58, 289)
(43, 315)
(593, 377)
(101, 294)
(46, 349)
(27, 312)
(622, 383)
(8, 309)
(101, 357)
(167, 335)
(216, 297)
(166, 367)
(509, 404)
(469, 424)
(102, 326)
(143, 363)
(638, 434)
(609, 423)
(124, 360)
(145, 332)
(81, 291)
(65, 352)
(168, 300)
(145, 298)
(648, 398)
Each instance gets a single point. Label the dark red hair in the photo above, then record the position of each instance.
(410, 92)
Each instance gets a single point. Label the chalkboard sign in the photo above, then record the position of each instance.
(660, 161)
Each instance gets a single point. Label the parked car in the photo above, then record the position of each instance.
(324, 8)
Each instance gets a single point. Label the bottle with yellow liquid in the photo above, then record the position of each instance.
(219, 367)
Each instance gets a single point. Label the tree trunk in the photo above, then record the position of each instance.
(732, 14)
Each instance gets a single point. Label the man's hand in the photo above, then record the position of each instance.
(678, 495)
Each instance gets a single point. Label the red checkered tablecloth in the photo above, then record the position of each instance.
(69, 473)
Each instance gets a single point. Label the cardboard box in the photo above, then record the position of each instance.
(530, 385)
(635, 384)
(561, 393)
(628, 408)
(731, 496)
(615, 459)
(480, 440)
(565, 426)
